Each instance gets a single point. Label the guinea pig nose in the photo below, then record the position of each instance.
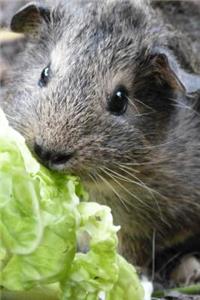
(41, 153)
(46, 156)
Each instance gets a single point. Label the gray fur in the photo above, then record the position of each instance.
(154, 147)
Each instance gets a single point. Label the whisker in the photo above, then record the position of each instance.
(93, 180)
(127, 179)
(113, 189)
(184, 106)
(144, 104)
(168, 262)
(153, 254)
(134, 106)
(141, 184)
(125, 189)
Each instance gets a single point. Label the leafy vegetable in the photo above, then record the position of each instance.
(42, 222)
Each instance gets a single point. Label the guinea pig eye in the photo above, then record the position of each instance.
(44, 77)
(118, 102)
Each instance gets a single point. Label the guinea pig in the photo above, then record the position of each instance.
(101, 91)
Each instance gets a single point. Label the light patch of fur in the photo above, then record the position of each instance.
(187, 272)
(148, 288)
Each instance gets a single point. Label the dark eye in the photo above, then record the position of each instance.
(118, 102)
(44, 77)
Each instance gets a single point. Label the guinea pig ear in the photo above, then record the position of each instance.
(29, 17)
(160, 79)
(167, 69)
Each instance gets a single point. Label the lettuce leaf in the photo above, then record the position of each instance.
(100, 274)
(48, 236)
(38, 219)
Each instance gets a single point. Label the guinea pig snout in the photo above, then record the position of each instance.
(48, 157)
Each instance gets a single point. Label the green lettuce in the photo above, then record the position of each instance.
(43, 226)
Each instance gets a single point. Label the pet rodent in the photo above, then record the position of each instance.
(101, 91)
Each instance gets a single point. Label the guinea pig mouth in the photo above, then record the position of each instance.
(55, 160)
(59, 163)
